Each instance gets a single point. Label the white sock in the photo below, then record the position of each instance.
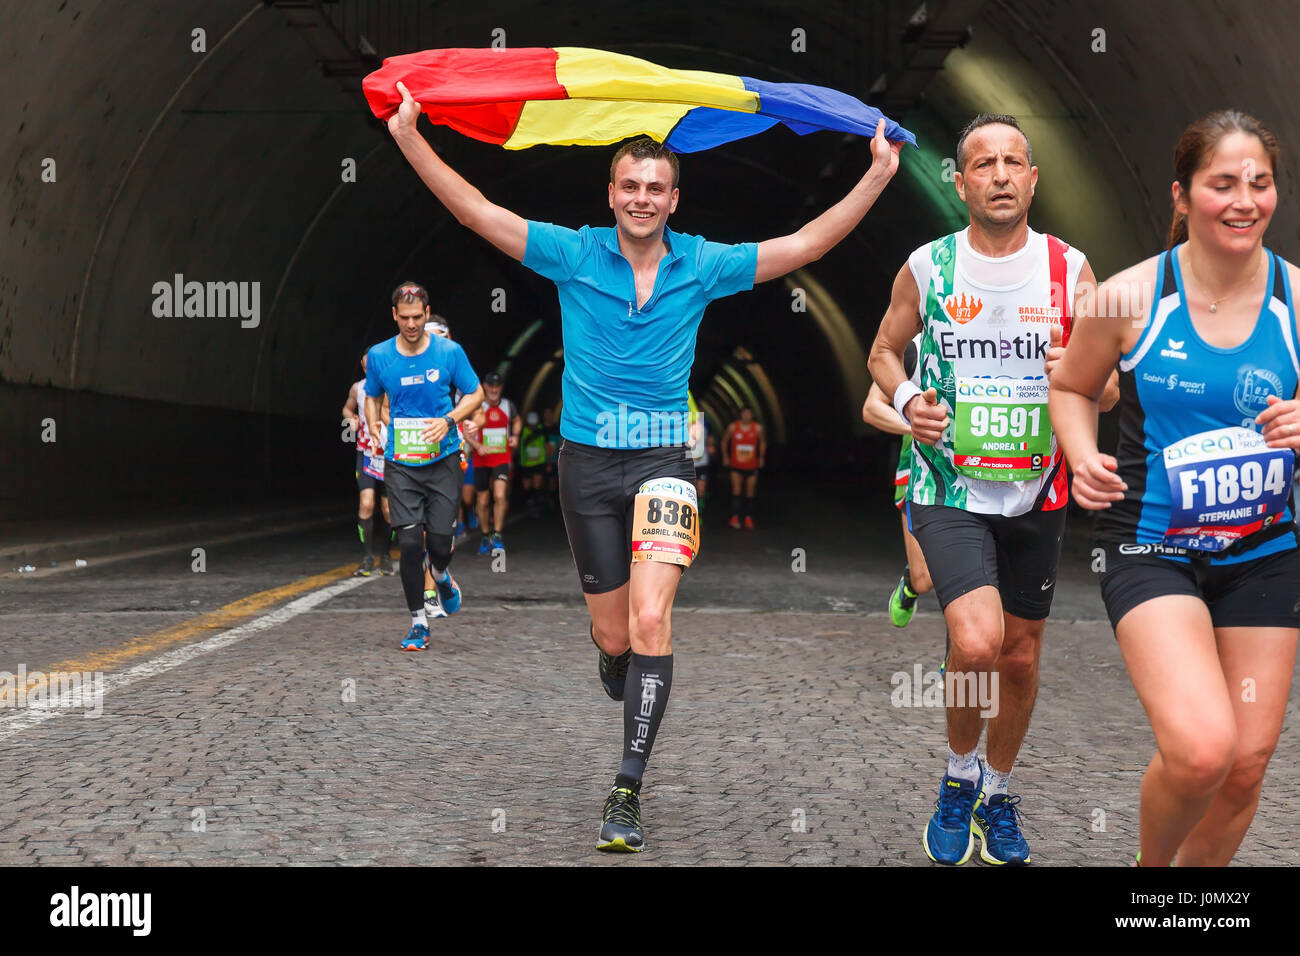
(995, 782)
(964, 766)
(417, 617)
(440, 576)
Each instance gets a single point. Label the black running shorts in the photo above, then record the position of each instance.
(485, 475)
(1260, 593)
(597, 489)
(427, 495)
(1019, 556)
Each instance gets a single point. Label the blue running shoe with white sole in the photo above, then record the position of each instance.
(417, 639)
(948, 836)
(997, 824)
(449, 594)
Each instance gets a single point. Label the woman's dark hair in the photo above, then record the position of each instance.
(1197, 143)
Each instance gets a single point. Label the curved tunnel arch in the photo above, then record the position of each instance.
(227, 167)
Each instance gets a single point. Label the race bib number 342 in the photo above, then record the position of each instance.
(666, 522)
(409, 445)
(1224, 485)
(1002, 431)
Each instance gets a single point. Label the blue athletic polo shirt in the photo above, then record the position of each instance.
(626, 369)
(419, 386)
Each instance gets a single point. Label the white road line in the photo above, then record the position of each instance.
(36, 714)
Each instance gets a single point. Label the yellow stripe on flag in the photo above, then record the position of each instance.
(612, 97)
(588, 123)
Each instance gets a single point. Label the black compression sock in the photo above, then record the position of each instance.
(366, 531)
(649, 680)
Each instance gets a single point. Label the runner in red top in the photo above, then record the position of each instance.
(498, 436)
(744, 448)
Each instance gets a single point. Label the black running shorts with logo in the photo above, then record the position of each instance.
(365, 481)
(485, 475)
(427, 495)
(1019, 556)
(1264, 592)
(598, 487)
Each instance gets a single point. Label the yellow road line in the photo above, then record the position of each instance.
(217, 620)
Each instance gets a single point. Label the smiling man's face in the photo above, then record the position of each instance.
(642, 196)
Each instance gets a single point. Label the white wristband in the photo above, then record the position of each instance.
(904, 394)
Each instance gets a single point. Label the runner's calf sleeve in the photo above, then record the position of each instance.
(410, 540)
(366, 532)
(439, 546)
(649, 679)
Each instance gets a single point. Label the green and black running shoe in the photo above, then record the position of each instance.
(620, 829)
(902, 604)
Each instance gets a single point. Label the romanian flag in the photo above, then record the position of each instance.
(573, 96)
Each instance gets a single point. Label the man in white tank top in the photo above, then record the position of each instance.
(987, 492)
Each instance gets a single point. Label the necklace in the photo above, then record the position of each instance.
(1214, 303)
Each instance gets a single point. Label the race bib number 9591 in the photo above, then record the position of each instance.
(1002, 430)
(666, 524)
(1224, 484)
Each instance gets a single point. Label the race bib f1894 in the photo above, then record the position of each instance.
(1002, 429)
(1224, 485)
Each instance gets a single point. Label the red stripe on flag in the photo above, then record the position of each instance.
(479, 93)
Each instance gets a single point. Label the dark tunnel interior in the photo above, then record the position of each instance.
(234, 164)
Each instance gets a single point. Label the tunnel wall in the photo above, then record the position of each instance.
(225, 166)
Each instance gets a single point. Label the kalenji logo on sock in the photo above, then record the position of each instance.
(74, 909)
(648, 696)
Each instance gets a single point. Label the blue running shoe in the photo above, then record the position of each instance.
(485, 544)
(997, 824)
(449, 594)
(417, 639)
(460, 529)
(948, 837)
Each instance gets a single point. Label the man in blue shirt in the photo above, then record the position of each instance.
(631, 300)
(417, 371)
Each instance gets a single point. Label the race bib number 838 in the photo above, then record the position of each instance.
(666, 522)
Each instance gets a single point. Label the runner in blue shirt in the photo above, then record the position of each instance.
(417, 371)
(631, 301)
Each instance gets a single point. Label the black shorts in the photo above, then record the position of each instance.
(1018, 556)
(1264, 592)
(365, 481)
(598, 487)
(485, 475)
(427, 495)
(744, 472)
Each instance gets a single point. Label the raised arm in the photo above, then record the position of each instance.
(777, 257)
(499, 226)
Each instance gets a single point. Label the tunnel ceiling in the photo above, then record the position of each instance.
(226, 165)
